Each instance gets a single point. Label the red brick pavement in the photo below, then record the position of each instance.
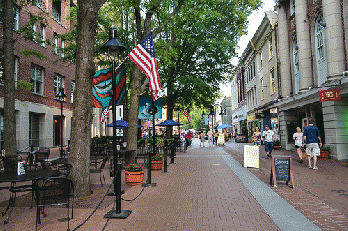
(321, 195)
(197, 193)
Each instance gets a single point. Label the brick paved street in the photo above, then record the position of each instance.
(321, 195)
(204, 190)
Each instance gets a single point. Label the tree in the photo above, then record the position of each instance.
(9, 83)
(82, 114)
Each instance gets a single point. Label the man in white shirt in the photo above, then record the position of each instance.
(210, 137)
(268, 138)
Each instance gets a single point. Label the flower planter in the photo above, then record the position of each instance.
(276, 147)
(324, 154)
(134, 178)
(156, 165)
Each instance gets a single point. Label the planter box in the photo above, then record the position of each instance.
(156, 165)
(276, 147)
(324, 154)
(134, 178)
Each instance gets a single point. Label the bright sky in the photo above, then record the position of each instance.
(254, 22)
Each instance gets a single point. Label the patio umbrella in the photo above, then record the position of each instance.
(169, 123)
(119, 124)
(224, 126)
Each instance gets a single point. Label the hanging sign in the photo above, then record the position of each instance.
(330, 95)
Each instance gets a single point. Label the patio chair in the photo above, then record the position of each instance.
(101, 168)
(53, 191)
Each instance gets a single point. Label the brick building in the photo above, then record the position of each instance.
(38, 110)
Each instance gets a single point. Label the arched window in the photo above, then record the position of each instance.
(320, 50)
(296, 65)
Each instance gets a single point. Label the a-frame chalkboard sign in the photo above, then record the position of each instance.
(281, 170)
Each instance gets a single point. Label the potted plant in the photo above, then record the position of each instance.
(134, 174)
(324, 152)
(276, 145)
(157, 162)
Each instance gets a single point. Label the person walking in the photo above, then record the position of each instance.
(268, 138)
(210, 138)
(216, 135)
(202, 138)
(311, 136)
(298, 137)
(257, 137)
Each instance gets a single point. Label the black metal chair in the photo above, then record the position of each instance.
(101, 168)
(53, 191)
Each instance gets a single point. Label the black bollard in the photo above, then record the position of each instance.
(172, 152)
(165, 158)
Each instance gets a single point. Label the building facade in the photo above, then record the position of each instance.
(312, 38)
(38, 110)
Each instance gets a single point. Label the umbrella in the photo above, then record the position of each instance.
(224, 126)
(169, 123)
(121, 124)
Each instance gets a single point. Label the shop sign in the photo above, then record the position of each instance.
(260, 115)
(251, 117)
(330, 95)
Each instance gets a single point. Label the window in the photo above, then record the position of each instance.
(62, 45)
(273, 86)
(37, 74)
(42, 35)
(58, 84)
(2, 69)
(271, 47)
(261, 59)
(16, 19)
(56, 11)
(39, 4)
(34, 129)
(55, 44)
(292, 7)
(33, 30)
(296, 65)
(72, 91)
(262, 86)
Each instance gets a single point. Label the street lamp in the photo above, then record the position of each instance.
(115, 47)
(61, 97)
(212, 113)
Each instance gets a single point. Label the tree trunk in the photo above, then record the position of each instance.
(133, 112)
(9, 84)
(82, 113)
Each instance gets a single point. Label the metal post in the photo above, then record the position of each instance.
(61, 128)
(148, 181)
(118, 213)
(165, 157)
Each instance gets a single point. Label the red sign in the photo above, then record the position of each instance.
(330, 95)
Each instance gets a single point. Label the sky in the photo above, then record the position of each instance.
(255, 20)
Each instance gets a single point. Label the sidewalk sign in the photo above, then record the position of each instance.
(281, 170)
(221, 139)
(251, 156)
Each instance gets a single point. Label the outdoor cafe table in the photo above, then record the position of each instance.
(28, 176)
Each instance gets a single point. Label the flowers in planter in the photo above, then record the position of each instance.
(325, 148)
(134, 168)
(157, 158)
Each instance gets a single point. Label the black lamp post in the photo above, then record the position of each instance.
(212, 113)
(61, 97)
(115, 47)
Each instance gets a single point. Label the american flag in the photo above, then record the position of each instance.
(103, 115)
(143, 55)
(187, 114)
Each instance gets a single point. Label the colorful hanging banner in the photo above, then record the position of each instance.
(330, 95)
(102, 85)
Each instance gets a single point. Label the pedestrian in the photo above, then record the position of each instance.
(216, 135)
(268, 138)
(257, 137)
(298, 137)
(210, 138)
(311, 136)
(202, 138)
